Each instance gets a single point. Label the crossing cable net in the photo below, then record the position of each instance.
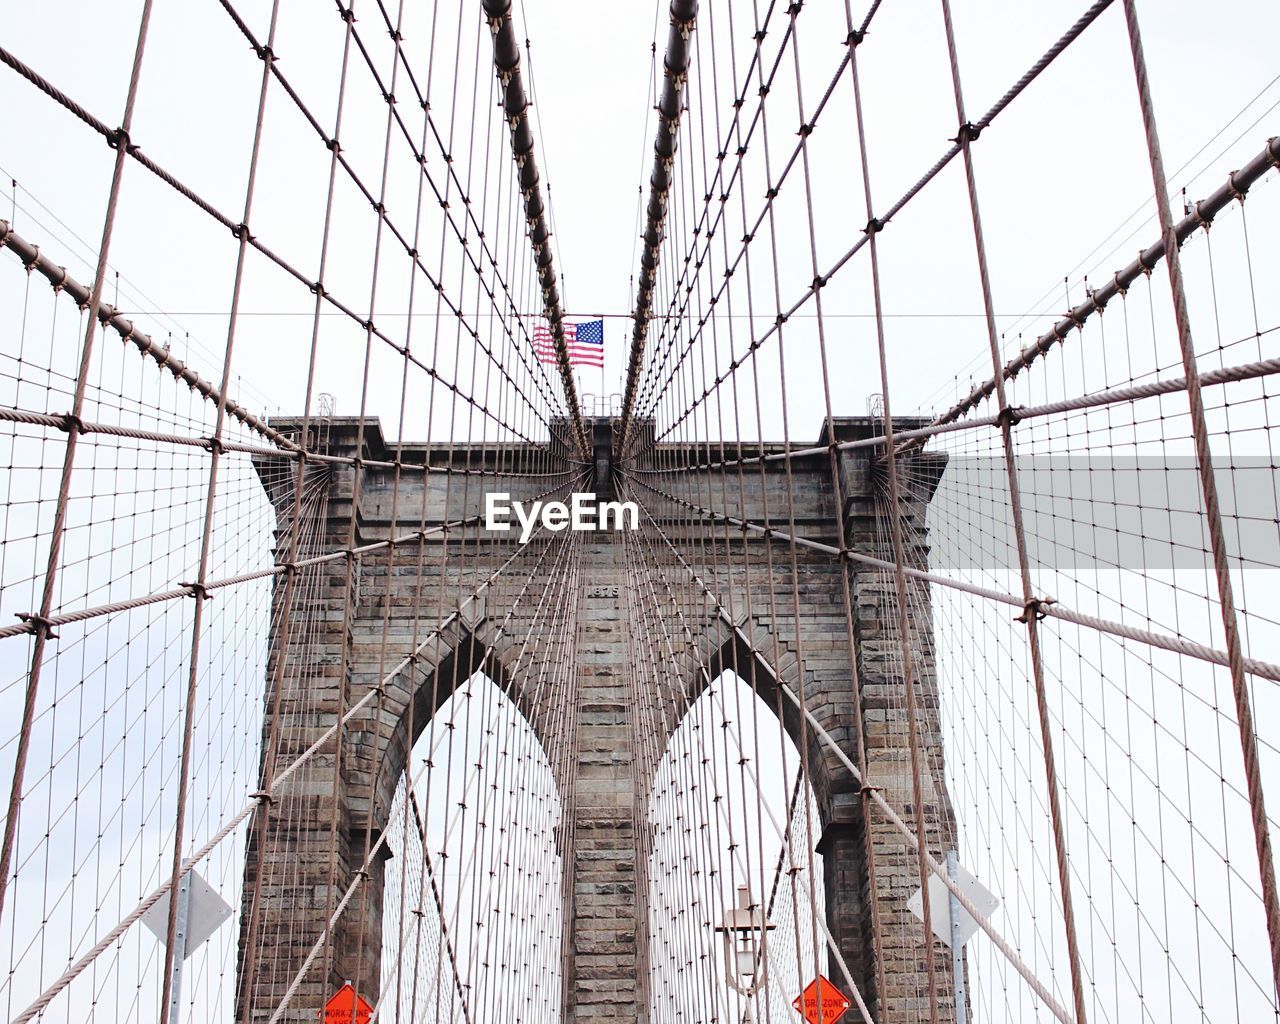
(259, 636)
(219, 674)
(1016, 628)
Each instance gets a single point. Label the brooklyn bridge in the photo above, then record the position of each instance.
(708, 512)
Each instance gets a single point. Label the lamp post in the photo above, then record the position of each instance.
(743, 934)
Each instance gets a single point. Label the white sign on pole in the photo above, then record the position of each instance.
(939, 906)
(206, 911)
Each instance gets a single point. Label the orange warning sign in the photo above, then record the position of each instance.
(821, 1002)
(345, 1007)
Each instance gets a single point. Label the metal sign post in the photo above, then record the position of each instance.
(952, 924)
(199, 914)
(957, 945)
(180, 945)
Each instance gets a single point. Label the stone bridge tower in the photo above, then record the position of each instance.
(333, 655)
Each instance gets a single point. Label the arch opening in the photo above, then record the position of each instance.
(473, 890)
(734, 822)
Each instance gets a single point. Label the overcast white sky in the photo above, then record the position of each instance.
(1065, 190)
(1061, 170)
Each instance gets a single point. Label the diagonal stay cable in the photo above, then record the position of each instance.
(1201, 216)
(268, 55)
(691, 642)
(1042, 606)
(317, 287)
(33, 258)
(720, 186)
(877, 797)
(362, 874)
(876, 225)
(1018, 413)
(105, 943)
(437, 899)
(28, 626)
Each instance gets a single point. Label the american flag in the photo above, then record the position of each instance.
(585, 342)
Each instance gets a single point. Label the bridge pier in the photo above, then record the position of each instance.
(877, 639)
(606, 904)
(353, 620)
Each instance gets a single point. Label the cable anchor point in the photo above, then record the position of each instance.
(1036, 607)
(197, 590)
(38, 623)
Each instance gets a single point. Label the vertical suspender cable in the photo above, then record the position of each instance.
(43, 631)
(1209, 490)
(1031, 615)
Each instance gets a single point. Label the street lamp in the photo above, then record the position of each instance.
(743, 933)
